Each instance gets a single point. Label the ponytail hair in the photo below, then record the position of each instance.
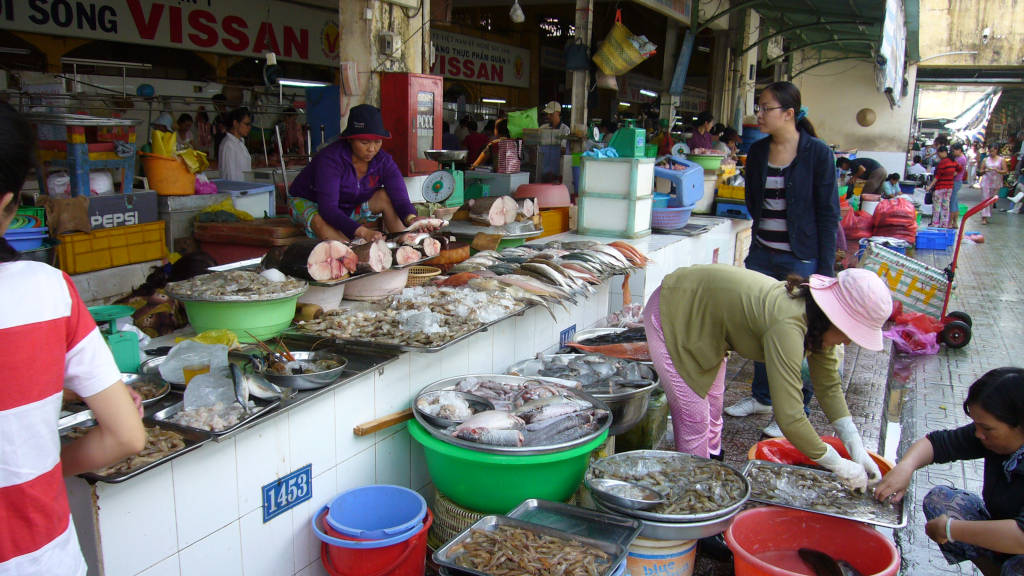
(817, 322)
(788, 96)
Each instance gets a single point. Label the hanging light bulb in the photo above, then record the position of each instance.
(516, 13)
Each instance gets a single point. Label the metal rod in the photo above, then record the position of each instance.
(309, 145)
(280, 152)
(263, 137)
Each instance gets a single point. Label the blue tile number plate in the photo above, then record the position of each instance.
(565, 336)
(287, 492)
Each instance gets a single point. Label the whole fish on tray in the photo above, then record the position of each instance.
(492, 427)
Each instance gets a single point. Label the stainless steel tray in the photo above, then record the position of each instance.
(687, 531)
(464, 229)
(132, 380)
(193, 439)
(647, 515)
(83, 418)
(778, 500)
(523, 450)
(447, 555)
(578, 521)
(292, 332)
(262, 408)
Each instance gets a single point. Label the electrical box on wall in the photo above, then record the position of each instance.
(389, 44)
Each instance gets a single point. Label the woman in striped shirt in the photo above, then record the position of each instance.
(942, 189)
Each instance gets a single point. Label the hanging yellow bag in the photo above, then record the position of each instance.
(195, 160)
(164, 143)
(617, 55)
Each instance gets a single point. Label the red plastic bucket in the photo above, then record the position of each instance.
(404, 558)
(764, 541)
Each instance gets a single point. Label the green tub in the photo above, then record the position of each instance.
(495, 484)
(263, 319)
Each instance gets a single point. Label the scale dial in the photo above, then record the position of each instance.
(438, 187)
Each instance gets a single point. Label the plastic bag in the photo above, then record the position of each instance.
(209, 390)
(190, 353)
(518, 120)
(58, 185)
(227, 206)
(856, 225)
(195, 160)
(910, 339)
(782, 451)
(896, 218)
(164, 143)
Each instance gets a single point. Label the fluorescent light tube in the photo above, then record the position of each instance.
(301, 83)
(493, 100)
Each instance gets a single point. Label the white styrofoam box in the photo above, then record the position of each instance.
(352, 402)
(167, 567)
(414, 185)
(205, 491)
(359, 470)
(615, 217)
(218, 554)
(393, 459)
(262, 456)
(307, 546)
(136, 519)
(267, 549)
(704, 205)
(623, 177)
(391, 389)
(313, 420)
(252, 197)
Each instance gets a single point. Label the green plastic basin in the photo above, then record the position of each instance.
(494, 483)
(263, 319)
(707, 161)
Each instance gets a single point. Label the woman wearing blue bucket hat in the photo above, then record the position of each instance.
(351, 182)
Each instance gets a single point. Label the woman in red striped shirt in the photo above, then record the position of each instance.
(942, 189)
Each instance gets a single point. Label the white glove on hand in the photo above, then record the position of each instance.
(847, 431)
(851, 473)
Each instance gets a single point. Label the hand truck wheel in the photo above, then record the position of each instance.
(961, 316)
(956, 334)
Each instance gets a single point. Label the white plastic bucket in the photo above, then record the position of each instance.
(326, 297)
(661, 557)
(869, 207)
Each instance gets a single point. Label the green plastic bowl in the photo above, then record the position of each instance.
(495, 484)
(710, 162)
(263, 319)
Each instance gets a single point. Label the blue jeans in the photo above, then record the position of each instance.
(963, 505)
(778, 265)
(954, 208)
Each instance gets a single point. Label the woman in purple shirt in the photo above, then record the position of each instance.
(351, 182)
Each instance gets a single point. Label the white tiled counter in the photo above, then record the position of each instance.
(202, 514)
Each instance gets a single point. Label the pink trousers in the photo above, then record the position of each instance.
(696, 421)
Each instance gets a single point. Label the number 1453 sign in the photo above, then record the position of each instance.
(287, 492)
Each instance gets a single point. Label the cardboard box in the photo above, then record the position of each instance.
(113, 210)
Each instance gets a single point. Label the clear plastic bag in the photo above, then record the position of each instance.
(190, 353)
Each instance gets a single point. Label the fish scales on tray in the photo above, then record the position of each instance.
(516, 551)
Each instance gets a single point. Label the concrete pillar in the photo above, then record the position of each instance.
(581, 78)
(721, 94)
(668, 66)
(745, 77)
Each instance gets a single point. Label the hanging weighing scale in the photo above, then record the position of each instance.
(447, 185)
(123, 345)
(680, 149)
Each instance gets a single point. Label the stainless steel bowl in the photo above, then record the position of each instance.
(445, 155)
(311, 380)
(476, 404)
(677, 531)
(132, 380)
(625, 494)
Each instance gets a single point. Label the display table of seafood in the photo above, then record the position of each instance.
(207, 508)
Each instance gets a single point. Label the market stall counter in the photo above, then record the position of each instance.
(243, 502)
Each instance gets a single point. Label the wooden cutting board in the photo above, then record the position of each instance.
(262, 232)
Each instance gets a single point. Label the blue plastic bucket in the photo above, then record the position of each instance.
(377, 512)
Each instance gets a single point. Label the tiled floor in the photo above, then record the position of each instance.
(926, 393)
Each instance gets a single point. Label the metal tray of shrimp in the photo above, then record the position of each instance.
(819, 491)
(191, 438)
(687, 481)
(294, 333)
(261, 408)
(613, 552)
(450, 383)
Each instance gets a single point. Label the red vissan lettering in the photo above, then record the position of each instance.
(175, 15)
(497, 73)
(147, 26)
(266, 39)
(481, 72)
(467, 69)
(234, 27)
(205, 35)
(453, 66)
(297, 43)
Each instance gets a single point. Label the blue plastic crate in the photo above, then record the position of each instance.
(931, 240)
(732, 210)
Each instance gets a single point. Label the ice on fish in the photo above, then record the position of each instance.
(446, 404)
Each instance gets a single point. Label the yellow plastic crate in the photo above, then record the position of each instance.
(736, 192)
(107, 248)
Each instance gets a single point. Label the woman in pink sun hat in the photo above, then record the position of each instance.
(700, 313)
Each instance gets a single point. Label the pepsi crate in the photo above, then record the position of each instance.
(732, 209)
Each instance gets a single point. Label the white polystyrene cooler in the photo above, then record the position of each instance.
(252, 197)
(621, 177)
(614, 217)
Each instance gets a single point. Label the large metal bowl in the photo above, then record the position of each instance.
(312, 380)
(449, 383)
(445, 155)
(677, 531)
(627, 407)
